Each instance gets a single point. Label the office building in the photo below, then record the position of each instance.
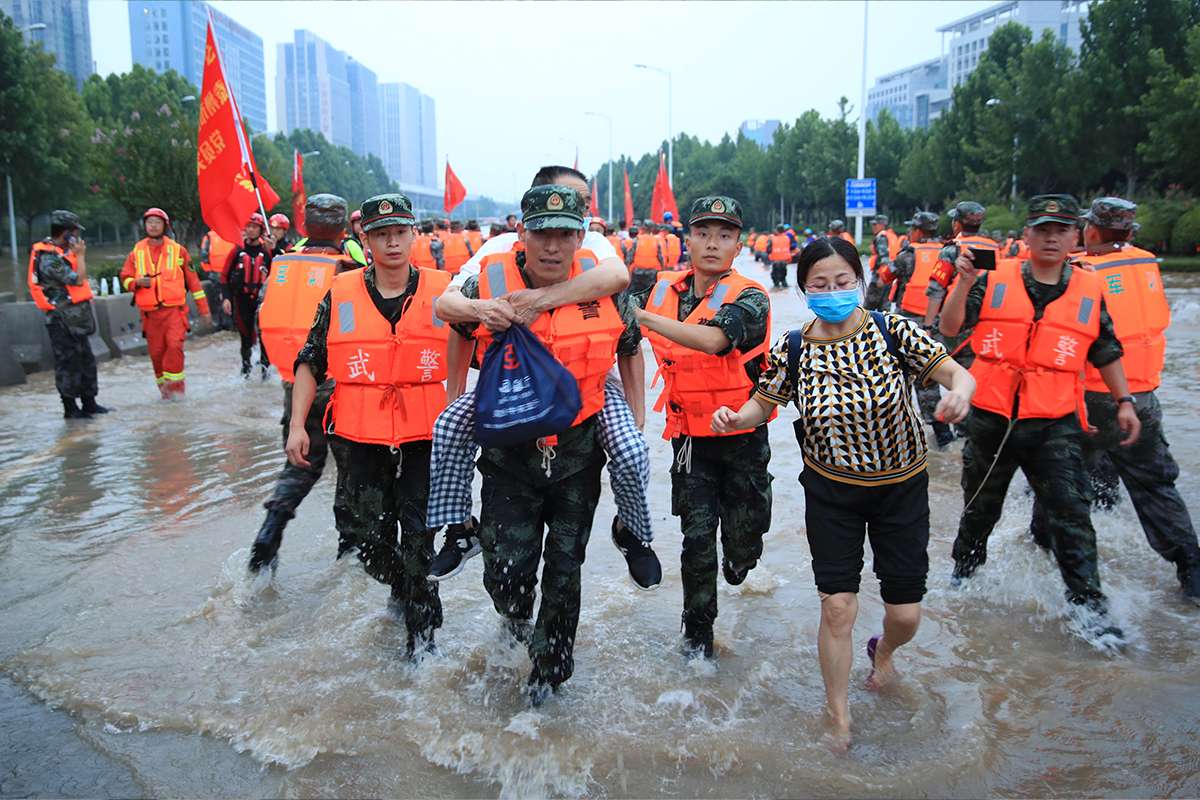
(61, 28)
(965, 40)
(915, 96)
(409, 135)
(364, 109)
(759, 131)
(170, 34)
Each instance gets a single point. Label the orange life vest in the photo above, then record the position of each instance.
(615, 241)
(926, 256)
(218, 251)
(1042, 360)
(298, 282)
(760, 244)
(672, 250)
(421, 254)
(389, 384)
(456, 252)
(848, 238)
(77, 294)
(582, 336)
(893, 249)
(646, 252)
(475, 240)
(1134, 297)
(696, 383)
(750, 239)
(781, 247)
(168, 286)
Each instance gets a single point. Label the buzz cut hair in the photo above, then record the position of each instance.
(551, 174)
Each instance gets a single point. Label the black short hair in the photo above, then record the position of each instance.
(822, 248)
(58, 230)
(551, 174)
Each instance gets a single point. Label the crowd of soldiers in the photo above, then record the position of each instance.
(373, 330)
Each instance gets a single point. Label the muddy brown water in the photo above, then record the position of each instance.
(137, 658)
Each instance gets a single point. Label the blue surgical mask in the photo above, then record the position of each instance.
(833, 306)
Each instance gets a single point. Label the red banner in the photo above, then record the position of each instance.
(455, 192)
(593, 205)
(224, 161)
(629, 220)
(299, 198)
(662, 199)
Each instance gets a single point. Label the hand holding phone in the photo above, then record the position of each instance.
(983, 259)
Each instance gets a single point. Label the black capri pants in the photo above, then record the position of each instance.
(839, 516)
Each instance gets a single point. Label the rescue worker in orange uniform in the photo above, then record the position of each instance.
(159, 273)
(426, 249)
(376, 335)
(214, 253)
(534, 486)
(456, 249)
(779, 251)
(242, 280)
(913, 267)
(59, 287)
(298, 281)
(1037, 325)
(885, 246)
(709, 327)
(1134, 296)
(645, 257)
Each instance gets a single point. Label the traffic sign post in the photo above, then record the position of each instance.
(860, 197)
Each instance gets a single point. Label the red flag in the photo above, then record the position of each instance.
(629, 220)
(455, 192)
(593, 206)
(662, 199)
(230, 188)
(298, 196)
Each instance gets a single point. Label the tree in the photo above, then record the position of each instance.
(1173, 102)
(887, 147)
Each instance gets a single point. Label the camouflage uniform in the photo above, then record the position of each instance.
(720, 480)
(294, 483)
(877, 292)
(1048, 451)
(928, 394)
(529, 517)
(69, 326)
(380, 487)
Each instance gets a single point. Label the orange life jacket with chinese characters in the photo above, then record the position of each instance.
(298, 282)
(696, 383)
(1043, 361)
(389, 383)
(926, 258)
(77, 294)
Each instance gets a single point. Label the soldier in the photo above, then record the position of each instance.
(290, 299)
(885, 246)
(913, 267)
(526, 489)
(646, 256)
(58, 285)
(779, 251)
(1133, 292)
(376, 334)
(243, 278)
(159, 273)
(837, 229)
(1036, 325)
(709, 328)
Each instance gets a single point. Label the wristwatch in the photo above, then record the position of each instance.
(1127, 399)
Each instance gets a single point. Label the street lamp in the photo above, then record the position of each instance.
(37, 26)
(993, 102)
(610, 158)
(670, 135)
(310, 153)
(188, 98)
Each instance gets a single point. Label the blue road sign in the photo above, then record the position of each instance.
(860, 197)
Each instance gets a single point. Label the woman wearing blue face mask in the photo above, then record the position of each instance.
(851, 373)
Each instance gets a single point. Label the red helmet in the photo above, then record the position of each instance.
(280, 221)
(257, 219)
(356, 215)
(157, 212)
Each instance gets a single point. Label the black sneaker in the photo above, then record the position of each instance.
(1190, 583)
(90, 407)
(736, 575)
(962, 572)
(639, 556)
(460, 546)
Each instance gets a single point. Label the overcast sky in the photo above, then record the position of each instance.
(512, 80)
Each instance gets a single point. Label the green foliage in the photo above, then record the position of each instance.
(1185, 236)
(1180, 264)
(999, 217)
(1173, 102)
(1157, 219)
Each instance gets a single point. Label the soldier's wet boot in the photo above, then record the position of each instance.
(1189, 581)
(91, 407)
(71, 410)
(265, 550)
(246, 368)
(697, 640)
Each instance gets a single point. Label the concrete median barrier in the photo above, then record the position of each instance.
(28, 341)
(120, 325)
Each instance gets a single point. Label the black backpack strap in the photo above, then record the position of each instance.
(795, 342)
(893, 347)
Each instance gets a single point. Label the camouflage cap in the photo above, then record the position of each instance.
(383, 210)
(1060, 208)
(552, 206)
(879, 219)
(65, 219)
(1113, 213)
(968, 212)
(925, 221)
(837, 225)
(717, 208)
(325, 209)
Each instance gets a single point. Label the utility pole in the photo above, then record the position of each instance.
(862, 123)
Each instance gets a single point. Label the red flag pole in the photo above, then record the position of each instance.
(237, 117)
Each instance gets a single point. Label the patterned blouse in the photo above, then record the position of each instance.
(857, 411)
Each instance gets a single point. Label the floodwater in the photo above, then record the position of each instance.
(137, 658)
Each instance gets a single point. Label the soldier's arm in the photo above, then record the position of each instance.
(904, 264)
(709, 339)
(607, 278)
(961, 309)
(313, 355)
(631, 363)
(55, 269)
(881, 251)
(744, 321)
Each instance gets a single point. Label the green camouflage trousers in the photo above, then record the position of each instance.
(514, 518)
(379, 489)
(1050, 453)
(1149, 473)
(727, 485)
(294, 483)
(74, 363)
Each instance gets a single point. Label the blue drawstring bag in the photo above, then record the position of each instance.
(523, 392)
